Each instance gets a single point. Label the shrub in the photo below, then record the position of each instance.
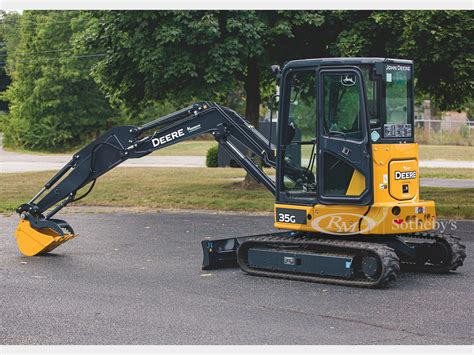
(54, 104)
(211, 157)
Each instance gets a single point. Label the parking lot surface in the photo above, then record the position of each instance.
(136, 278)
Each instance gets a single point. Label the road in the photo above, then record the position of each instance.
(11, 162)
(19, 163)
(14, 162)
(135, 278)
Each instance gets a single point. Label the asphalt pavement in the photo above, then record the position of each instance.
(135, 278)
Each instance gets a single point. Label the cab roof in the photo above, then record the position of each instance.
(342, 60)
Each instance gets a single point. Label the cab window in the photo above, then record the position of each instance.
(341, 106)
(300, 133)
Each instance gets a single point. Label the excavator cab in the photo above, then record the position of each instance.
(346, 185)
(339, 108)
(354, 118)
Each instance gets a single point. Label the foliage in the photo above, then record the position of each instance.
(184, 55)
(470, 109)
(152, 111)
(54, 104)
(156, 61)
(7, 21)
(446, 152)
(211, 157)
(440, 43)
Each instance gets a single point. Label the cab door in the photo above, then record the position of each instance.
(344, 163)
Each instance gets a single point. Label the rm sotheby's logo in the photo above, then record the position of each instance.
(343, 223)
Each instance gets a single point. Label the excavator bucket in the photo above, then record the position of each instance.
(33, 241)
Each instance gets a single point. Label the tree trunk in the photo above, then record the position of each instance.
(252, 91)
(252, 108)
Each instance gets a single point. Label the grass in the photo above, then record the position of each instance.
(453, 173)
(188, 148)
(446, 152)
(451, 203)
(456, 136)
(197, 188)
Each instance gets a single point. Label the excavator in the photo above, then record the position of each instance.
(346, 184)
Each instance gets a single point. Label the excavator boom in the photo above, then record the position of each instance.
(39, 233)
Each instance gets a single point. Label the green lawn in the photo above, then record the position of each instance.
(453, 173)
(197, 188)
(446, 152)
(188, 148)
(451, 203)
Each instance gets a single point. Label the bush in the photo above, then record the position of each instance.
(211, 157)
(54, 104)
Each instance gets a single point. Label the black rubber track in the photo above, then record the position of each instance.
(387, 259)
(452, 242)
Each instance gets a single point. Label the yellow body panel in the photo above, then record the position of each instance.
(357, 184)
(385, 156)
(394, 211)
(33, 242)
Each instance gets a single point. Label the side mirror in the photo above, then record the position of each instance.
(276, 70)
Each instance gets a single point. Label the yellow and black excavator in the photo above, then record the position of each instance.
(346, 183)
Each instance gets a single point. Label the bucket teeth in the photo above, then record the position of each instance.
(33, 241)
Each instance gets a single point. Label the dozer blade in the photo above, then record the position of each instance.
(33, 241)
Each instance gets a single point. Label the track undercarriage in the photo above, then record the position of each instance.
(361, 261)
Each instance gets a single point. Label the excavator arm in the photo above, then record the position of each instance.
(38, 232)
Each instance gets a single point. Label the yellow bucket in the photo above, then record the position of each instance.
(38, 241)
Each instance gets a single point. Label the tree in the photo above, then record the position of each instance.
(7, 24)
(176, 57)
(440, 43)
(54, 103)
(185, 55)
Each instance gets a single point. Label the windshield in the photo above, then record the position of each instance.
(398, 101)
